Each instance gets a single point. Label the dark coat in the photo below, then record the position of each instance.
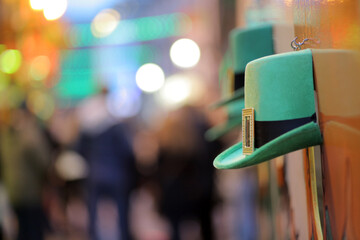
(110, 158)
(186, 176)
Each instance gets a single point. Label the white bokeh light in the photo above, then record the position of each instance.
(54, 9)
(150, 77)
(123, 103)
(105, 22)
(176, 91)
(185, 53)
(37, 4)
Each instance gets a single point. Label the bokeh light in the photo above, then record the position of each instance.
(180, 89)
(40, 68)
(176, 91)
(132, 30)
(54, 9)
(185, 53)
(123, 103)
(71, 166)
(41, 104)
(10, 61)
(105, 23)
(150, 77)
(37, 4)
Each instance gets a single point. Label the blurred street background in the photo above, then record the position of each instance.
(103, 108)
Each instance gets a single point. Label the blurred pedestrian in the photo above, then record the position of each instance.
(186, 173)
(24, 163)
(105, 145)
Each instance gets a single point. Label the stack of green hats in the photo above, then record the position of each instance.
(280, 113)
(245, 45)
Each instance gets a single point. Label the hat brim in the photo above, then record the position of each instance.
(238, 94)
(298, 138)
(218, 131)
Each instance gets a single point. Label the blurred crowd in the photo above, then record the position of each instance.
(85, 174)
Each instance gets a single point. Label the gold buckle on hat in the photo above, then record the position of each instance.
(248, 130)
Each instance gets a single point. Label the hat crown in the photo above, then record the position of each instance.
(280, 87)
(249, 44)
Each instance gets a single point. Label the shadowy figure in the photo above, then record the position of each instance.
(106, 148)
(24, 162)
(186, 172)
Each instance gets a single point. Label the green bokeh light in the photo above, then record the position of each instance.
(133, 30)
(78, 71)
(10, 61)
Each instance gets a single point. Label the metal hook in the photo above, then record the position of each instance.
(294, 44)
(297, 45)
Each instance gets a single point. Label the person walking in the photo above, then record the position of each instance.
(105, 145)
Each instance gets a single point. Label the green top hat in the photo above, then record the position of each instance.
(234, 120)
(246, 44)
(279, 90)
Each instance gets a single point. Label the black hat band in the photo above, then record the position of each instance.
(265, 131)
(239, 81)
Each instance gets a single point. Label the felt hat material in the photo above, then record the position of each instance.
(234, 120)
(256, 42)
(280, 89)
(246, 44)
(251, 43)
